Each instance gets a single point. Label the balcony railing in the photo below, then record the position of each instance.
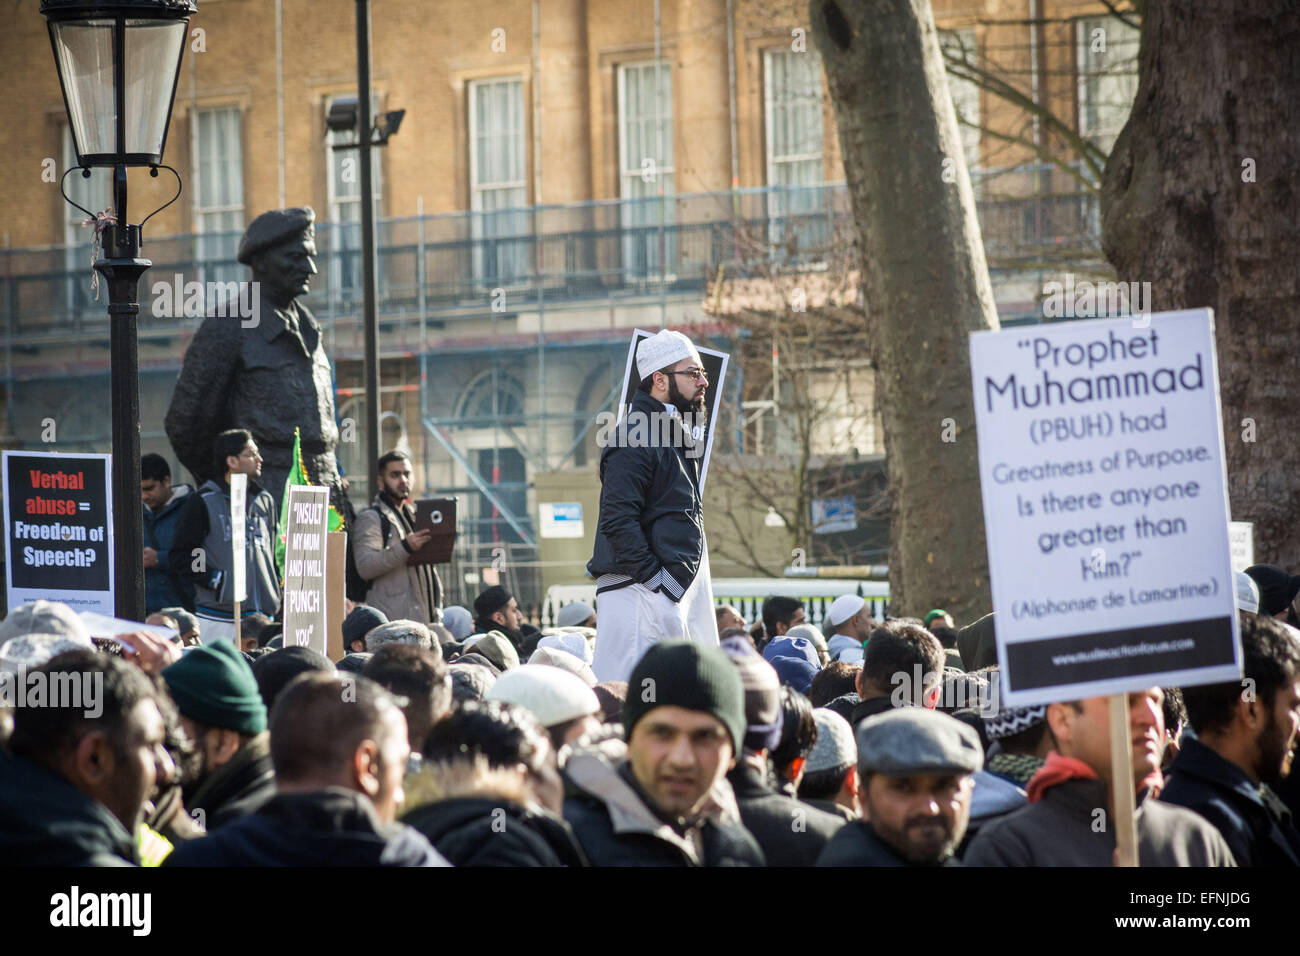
(465, 264)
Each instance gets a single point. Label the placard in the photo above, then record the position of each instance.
(305, 553)
(59, 530)
(1105, 506)
(238, 515)
(715, 364)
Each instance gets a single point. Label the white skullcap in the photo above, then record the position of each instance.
(552, 694)
(843, 608)
(836, 746)
(1247, 592)
(573, 614)
(661, 350)
(571, 642)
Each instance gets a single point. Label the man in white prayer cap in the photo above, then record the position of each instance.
(651, 562)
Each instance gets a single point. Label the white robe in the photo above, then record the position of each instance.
(630, 619)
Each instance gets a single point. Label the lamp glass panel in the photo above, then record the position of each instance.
(153, 51)
(85, 52)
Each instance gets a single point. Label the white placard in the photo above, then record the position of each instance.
(1105, 505)
(561, 519)
(238, 515)
(305, 552)
(1241, 538)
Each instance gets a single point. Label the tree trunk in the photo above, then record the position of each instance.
(1201, 198)
(926, 287)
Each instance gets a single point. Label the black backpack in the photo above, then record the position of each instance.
(356, 587)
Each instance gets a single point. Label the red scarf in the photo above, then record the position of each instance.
(1057, 769)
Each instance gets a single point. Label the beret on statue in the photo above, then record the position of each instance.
(270, 229)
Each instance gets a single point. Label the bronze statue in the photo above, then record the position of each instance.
(265, 371)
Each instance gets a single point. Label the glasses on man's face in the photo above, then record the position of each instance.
(251, 455)
(697, 374)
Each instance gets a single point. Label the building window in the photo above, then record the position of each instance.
(792, 94)
(965, 93)
(339, 243)
(218, 193)
(646, 171)
(498, 180)
(1108, 80)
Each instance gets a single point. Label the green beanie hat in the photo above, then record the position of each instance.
(685, 674)
(213, 685)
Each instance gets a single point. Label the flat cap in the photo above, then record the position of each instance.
(272, 228)
(912, 740)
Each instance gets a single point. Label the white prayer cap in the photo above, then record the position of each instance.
(843, 608)
(663, 349)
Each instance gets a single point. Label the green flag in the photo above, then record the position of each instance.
(297, 476)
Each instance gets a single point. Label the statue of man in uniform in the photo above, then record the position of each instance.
(267, 373)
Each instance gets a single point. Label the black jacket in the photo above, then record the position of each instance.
(868, 708)
(790, 832)
(333, 827)
(46, 821)
(1256, 825)
(651, 527)
(240, 787)
(615, 826)
(469, 832)
(856, 844)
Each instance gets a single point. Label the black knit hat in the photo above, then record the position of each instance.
(491, 601)
(1277, 589)
(684, 674)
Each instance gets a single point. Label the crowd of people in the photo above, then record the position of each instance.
(480, 740)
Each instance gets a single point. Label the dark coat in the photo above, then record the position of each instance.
(1257, 826)
(868, 708)
(163, 587)
(615, 827)
(856, 844)
(651, 527)
(1058, 830)
(333, 827)
(469, 832)
(240, 787)
(46, 821)
(790, 832)
(833, 808)
(268, 378)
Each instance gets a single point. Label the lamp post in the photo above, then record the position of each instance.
(118, 62)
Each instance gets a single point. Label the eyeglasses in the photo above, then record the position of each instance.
(695, 373)
(250, 454)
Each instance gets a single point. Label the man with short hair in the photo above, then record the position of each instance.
(1067, 819)
(75, 778)
(221, 710)
(201, 547)
(661, 798)
(830, 778)
(495, 609)
(384, 546)
(162, 508)
(903, 666)
(834, 680)
(727, 616)
(914, 769)
(650, 558)
(418, 675)
(779, 615)
(1244, 745)
(339, 746)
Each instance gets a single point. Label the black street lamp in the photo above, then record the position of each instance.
(118, 61)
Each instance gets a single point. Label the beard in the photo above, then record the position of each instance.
(1274, 753)
(695, 408)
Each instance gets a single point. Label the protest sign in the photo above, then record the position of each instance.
(238, 515)
(1105, 506)
(58, 530)
(306, 548)
(1241, 535)
(715, 364)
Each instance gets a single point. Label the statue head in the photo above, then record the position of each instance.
(280, 247)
